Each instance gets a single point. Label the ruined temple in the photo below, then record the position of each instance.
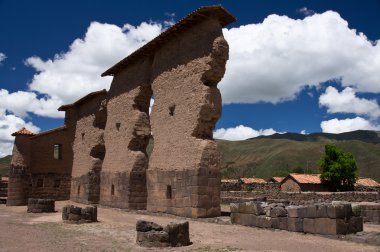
(99, 156)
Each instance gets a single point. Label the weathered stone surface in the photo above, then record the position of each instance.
(278, 212)
(321, 211)
(329, 226)
(41, 205)
(297, 211)
(145, 226)
(150, 234)
(253, 207)
(73, 214)
(355, 224)
(295, 224)
(339, 211)
(309, 225)
(280, 223)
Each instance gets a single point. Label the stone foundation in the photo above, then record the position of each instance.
(73, 214)
(189, 193)
(369, 211)
(41, 205)
(150, 234)
(326, 219)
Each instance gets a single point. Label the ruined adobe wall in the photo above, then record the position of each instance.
(19, 178)
(48, 171)
(126, 136)
(184, 168)
(89, 150)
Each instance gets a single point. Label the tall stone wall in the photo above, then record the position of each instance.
(127, 133)
(89, 150)
(184, 169)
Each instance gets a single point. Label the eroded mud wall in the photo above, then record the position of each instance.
(89, 150)
(126, 136)
(184, 169)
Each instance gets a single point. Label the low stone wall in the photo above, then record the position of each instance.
(41, 205)
(73, 214)
(370, 211)
(3, 188)
(300, 198)
(150, 234)
(327, 219)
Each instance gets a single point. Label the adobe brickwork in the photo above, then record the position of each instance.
(104, 139)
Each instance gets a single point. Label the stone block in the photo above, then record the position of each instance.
(145, 226)
(280, 223)
(263, 221)
(327, 226)
(278, 212)
(321, 211)
(178, 234)
(253, 207)
(295, 224)
(339, 211)
(153, 239)
(355, 224)
(296, 211)
(311, 211)
(356, 210)
(309, 225)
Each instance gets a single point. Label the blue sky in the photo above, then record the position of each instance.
(295, 66)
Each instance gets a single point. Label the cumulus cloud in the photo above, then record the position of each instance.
(338, 126)
(71, 75)
(2, 57)
(274, 60)
(8, 125)
(347, 102)
(241, 133)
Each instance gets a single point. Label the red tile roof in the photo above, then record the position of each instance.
(277, 179)
(306, 178)
(201, 13)
(24, 132)
(230, 181)
(253, 180)
(367, 182)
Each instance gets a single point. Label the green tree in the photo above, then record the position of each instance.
(338, 168)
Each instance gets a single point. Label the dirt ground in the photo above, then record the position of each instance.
(115, 231)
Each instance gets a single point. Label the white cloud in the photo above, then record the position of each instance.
(71, 75)
(2, 57)
(151, 105)
(346, 125)
(8, 125)
(306, 11)
(241, 133)
(274, 60)
(303, 132)
(347, 102)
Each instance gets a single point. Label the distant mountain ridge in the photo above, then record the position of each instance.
(361, 135)
(280, 154)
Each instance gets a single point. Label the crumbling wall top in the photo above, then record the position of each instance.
(202, 13)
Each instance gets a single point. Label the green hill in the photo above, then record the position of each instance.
(4, 165)
(279, 154)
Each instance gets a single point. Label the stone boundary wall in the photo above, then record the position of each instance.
(300, 198)
(369, 211)
(77, 215)
(3, 188)
(327, 219)
(41, 205)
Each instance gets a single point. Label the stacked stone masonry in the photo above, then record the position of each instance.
(77, 215)
(336, 218)
(299, 198)
(150, 234)
(102, 145)
(369, 211)
(41, 205)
